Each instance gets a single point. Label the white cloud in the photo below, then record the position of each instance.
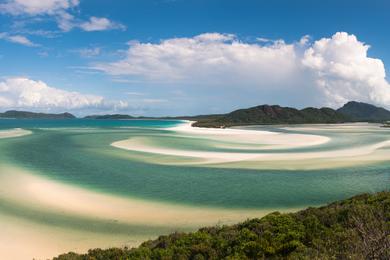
(17, 39)
(37, 7)
(304, 40)
(345, 72)
(24, 93)
(214, 37)
(61, 10)
(208, 58)
(263, 39)
(65, 21)
(330, 71)
(100, 24)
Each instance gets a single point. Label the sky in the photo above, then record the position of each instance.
(188, 57)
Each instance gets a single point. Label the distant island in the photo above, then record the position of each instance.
(275, 114)
(259, 115)
(355, 228)
(114, 116)
(31, 115)
(268, 115)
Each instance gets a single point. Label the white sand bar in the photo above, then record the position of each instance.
(17, 132)
(271, 144)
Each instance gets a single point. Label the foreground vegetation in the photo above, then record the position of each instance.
(356, 228)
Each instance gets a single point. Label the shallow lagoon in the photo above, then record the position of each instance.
(67, 185)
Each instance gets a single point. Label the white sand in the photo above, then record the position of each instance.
(315, 159)
(22, 239)
(227, 157)
(237, 138)
(22, 187)
(267, 139)
(17, 132)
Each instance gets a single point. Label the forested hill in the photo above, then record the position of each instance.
(258, 115)
(266, 114)
(355, 228)
(358, 111)
(108, 116)
(31, 115)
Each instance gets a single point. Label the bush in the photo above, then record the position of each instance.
(356, 228)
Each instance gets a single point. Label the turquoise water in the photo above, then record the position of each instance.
(66, 123)
(78, 152)
(68, 186)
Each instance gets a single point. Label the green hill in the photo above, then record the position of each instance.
(31, 115)
(359, 111)
(114, 116)
(355, 228)
(275, 114)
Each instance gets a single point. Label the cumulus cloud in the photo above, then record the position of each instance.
(24, 93)
(330, 70)
(61, 11)
(100, 24)
(345, 72)
(17, 39)
(211, 57)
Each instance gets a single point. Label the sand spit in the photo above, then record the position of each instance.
(267, 139)
(17, 132)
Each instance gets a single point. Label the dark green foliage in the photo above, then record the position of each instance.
(266, 114)
(358, 111)
(115, 116)
(356, 228)
(32, 115)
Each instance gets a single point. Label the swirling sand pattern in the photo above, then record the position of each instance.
(67, 185)
(299, 148)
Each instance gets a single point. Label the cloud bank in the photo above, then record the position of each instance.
(330, 70)
(24, 93)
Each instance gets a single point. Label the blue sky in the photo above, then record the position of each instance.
(177, 57)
